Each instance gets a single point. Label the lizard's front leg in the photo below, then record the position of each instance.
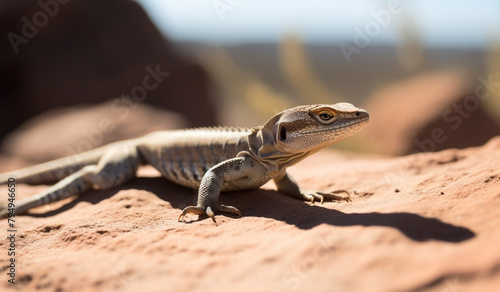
(241, 169)
(286, 184)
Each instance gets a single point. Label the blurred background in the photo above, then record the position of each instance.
(78, 74)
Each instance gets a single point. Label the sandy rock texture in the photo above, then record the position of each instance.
(425, 222)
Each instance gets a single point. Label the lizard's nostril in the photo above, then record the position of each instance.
(282, 133)
(357, 114)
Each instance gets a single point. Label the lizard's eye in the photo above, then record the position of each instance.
(325, 116)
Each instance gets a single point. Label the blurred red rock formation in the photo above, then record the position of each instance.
(429, 112)
(86, 52)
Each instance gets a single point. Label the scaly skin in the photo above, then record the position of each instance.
(208, 159)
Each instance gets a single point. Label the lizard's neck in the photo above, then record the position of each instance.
(262, 145)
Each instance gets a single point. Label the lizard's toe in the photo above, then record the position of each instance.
(337, 195)
(209, 211)
(312, 196)
(321, 196)
(224, 209)
(228, 209)
(191, 209)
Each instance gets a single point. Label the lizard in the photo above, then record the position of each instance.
(211, 160)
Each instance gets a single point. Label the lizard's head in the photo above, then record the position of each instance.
(314, 127)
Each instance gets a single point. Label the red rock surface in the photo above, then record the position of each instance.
(425, 222)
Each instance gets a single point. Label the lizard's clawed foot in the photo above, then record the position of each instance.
(199, 210)
(312, 196)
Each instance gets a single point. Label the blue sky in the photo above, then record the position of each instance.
(438, 23)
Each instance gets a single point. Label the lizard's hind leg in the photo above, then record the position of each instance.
(117, 165)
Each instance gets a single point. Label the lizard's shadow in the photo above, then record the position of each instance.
(272, 204)
(164, 189)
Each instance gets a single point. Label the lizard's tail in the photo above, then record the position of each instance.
(53, 171)
(72, 185)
